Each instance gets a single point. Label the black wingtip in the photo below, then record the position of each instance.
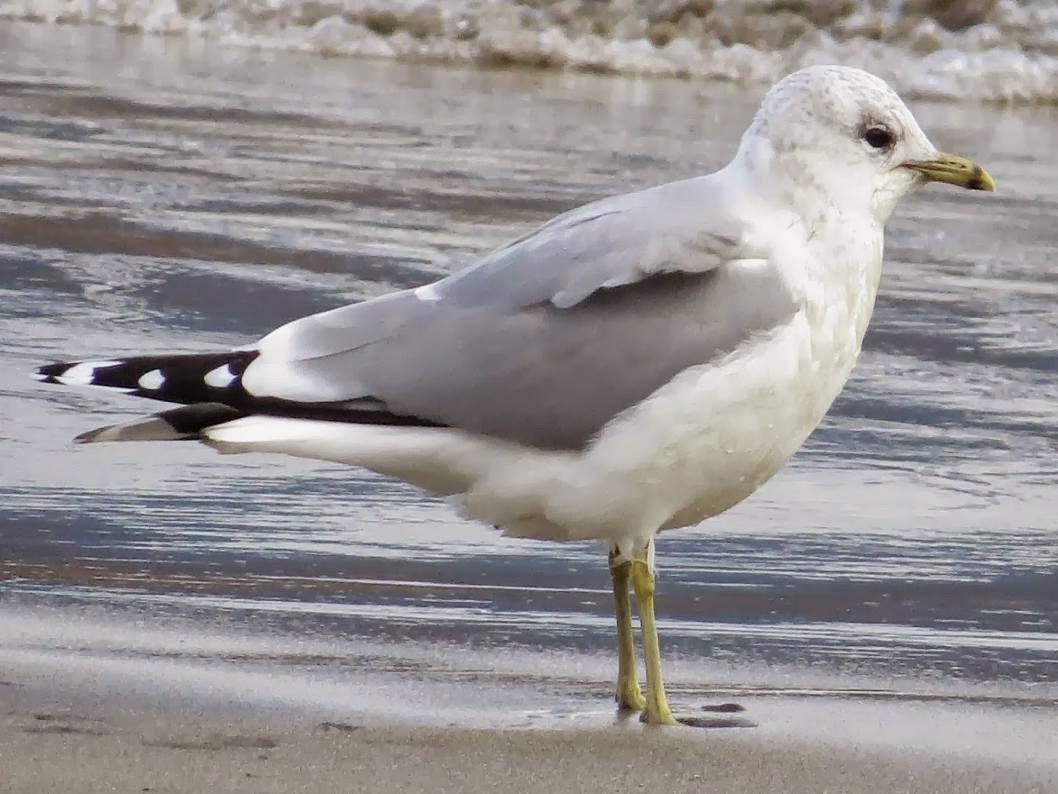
(49, 372)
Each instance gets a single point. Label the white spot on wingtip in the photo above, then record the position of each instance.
(82, 374)
(221, 377)
(428, 293)
(39, 376)
(152, 381)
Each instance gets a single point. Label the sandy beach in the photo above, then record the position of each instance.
(51, 748)
(88, 728)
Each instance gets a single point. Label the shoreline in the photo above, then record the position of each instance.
(102, 718)
(51, 743)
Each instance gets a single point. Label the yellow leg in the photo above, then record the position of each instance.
(629, 696)
(657, 710)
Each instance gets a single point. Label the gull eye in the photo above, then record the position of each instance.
(878, 137)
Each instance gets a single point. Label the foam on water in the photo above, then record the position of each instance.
(998, 50)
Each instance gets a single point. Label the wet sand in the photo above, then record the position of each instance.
(82, 722)
(51, 741)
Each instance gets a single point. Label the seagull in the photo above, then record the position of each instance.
(637, 364)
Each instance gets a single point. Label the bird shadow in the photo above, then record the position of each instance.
(718, 721)
(710, 721)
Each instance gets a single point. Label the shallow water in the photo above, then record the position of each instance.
(158, 195)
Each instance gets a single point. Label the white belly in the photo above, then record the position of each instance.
(704, 442)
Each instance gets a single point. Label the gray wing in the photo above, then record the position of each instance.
(548, 338)
(677, 227)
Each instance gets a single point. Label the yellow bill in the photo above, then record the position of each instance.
(954, 170)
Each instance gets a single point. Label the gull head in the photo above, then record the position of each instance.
(837, 136)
